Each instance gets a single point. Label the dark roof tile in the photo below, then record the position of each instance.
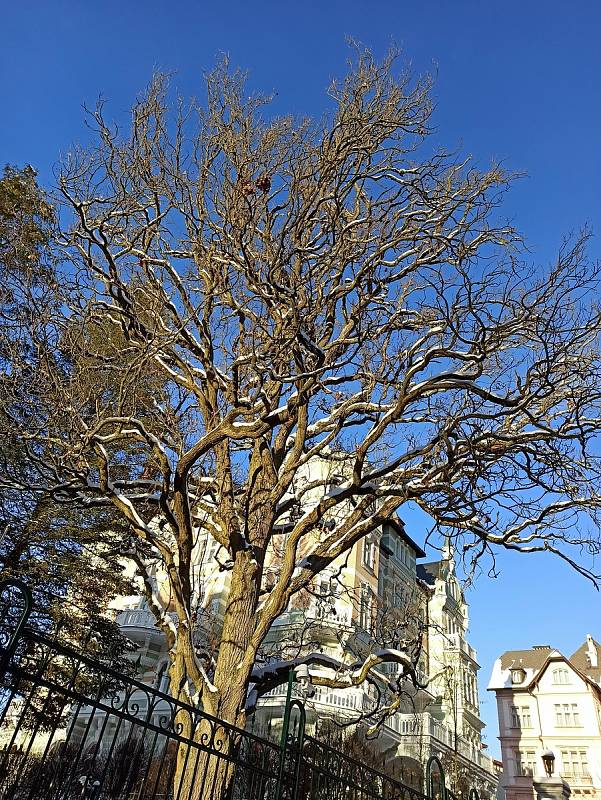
(527, 659)
(582, 661)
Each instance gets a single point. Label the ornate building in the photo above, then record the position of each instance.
(376, 593)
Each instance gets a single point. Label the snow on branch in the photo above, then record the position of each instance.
(333, 673)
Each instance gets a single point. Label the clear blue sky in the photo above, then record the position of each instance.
(517, 81)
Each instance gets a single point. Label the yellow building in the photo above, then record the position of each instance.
(376, 595)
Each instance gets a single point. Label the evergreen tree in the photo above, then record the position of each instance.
(69, 556)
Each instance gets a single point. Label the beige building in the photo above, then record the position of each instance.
(375, 596)
(380, 579)
(546, 701)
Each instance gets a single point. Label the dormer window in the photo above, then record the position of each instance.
(517, 676)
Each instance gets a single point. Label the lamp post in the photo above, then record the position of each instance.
(550, 787)
(303, 677)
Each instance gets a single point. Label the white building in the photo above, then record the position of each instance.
(453, 670)
(546, 701)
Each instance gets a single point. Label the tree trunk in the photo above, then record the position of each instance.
(204, 774)
(231, 675)
(207, 774)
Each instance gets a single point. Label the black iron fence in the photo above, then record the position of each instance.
(72, 727)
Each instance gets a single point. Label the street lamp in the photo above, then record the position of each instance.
(548, 758)
(303, 677)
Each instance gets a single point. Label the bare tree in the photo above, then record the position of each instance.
(331, 290)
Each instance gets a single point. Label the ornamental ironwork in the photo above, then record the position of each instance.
(73, 727)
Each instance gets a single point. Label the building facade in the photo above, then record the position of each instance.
(453, 670)
(378, 594)
(546, 701)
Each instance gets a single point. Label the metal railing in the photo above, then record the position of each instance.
(72, 727)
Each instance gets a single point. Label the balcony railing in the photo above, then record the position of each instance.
(315, 613)
(415, 725)
(408, 727)
(457, 642)
(578, 778)
(351, 700)
(138, 618)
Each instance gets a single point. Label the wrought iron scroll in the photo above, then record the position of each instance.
(13, 617)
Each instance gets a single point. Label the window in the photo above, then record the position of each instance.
(326, 600)
(323, 591)
(470, 694)
(520, 717)
(369, 552)
(518, 675)
(575, 763)
(398, 595)
(525, 763)
(404, 554)
(366, 607)
(561, 676)
(211, 546)
(451, 624)
(529, 762)
(474, 685)
(567, 715)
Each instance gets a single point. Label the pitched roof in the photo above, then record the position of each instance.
(582, 659)
(586, 661)
(526, 659)
(429, 572)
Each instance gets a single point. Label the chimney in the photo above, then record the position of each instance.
(591, 651)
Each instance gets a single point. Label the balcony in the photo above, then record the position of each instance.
(136, 618)
(578, 778)
(426, 726)
(411, 731)
(317, 614)
(352, 700)
(139, 618)
(456, 641)
(421, 725)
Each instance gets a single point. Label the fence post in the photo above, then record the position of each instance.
(430, 783)
(7, 650)
(300, 739)
(290, 704)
